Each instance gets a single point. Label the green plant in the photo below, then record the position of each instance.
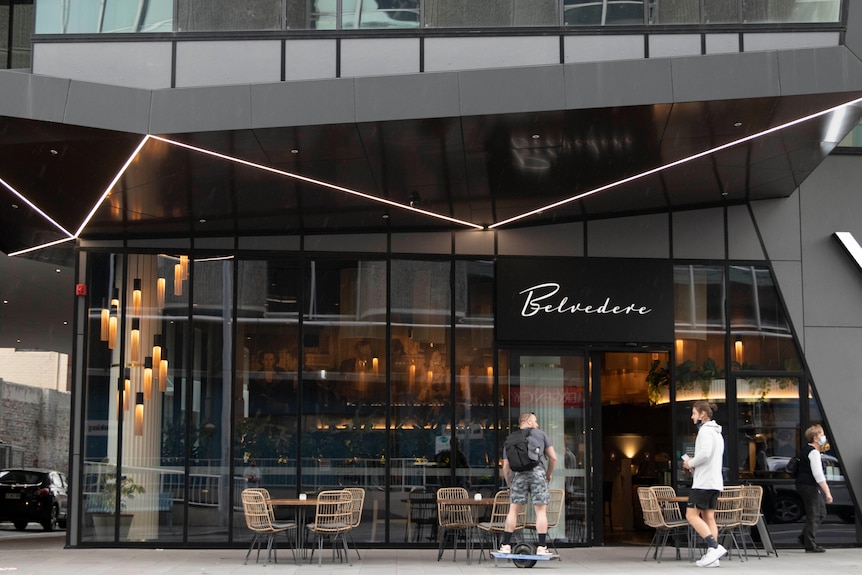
(686, 376)
(128, 489)
(658, 379)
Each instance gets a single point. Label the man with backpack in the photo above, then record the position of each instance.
(525, 474)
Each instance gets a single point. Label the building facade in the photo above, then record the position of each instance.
(350, 242)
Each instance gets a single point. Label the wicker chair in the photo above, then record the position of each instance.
(496, 524)
(728, 517)
(752, 495)
(555, 510)
(333, 518)
(357, 495)
(654, 517)
(258, 518)
(454, 519)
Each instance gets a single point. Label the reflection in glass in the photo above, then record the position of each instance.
(552, 387)
(760, 330)
(768, 415)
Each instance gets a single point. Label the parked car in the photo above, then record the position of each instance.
(37, 495)
(782, 503)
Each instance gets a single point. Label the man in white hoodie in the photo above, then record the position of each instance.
(707, 482)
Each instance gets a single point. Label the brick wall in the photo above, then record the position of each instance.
(38, 421)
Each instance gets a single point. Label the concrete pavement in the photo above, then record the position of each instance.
(47, 556)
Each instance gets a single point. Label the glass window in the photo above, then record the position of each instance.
(421, 375)
(111, 16)
(799, 11)
(136, 442)
(760, 332)
(267, 375)
(603, 12)
(491, 13)
(768, 416)
(699, 334)
(474, 374)
(216, 15)
(343, 386)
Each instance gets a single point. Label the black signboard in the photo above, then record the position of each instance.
(585, 300)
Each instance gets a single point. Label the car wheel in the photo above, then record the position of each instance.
(51, 523)
(20, 525)
(788, 509)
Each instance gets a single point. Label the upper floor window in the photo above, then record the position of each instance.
(119, 16)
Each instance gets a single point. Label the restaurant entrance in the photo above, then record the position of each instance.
(631, 441)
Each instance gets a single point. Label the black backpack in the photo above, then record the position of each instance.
(522, 450)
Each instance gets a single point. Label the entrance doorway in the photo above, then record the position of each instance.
(633, 441)
(609, 436)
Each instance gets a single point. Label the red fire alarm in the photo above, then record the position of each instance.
(80, 289)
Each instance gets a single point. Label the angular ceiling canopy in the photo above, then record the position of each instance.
(59, 182)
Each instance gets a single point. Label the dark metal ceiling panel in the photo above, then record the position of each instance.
(479, 169)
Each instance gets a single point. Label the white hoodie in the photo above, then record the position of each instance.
(708, 457)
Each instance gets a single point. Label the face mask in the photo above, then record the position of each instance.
(822, 440)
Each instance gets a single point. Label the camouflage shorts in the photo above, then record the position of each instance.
(532, 482)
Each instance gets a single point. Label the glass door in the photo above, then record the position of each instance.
(553, 386)
(632, 439)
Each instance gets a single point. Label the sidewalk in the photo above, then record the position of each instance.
(48, 557)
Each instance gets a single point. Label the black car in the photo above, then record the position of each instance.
(37, 495)
(782, 503)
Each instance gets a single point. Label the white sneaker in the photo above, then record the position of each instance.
(541, 550)
(711, 555)
(507, 549)
(715, 563)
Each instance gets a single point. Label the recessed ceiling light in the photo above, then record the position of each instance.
(737, 124)
(57, 270)
(65, 323)
(294, 151)
(14, 206)
(535, 136)
(5, 301)
(54, 152)
(202, 220)
(385, 216)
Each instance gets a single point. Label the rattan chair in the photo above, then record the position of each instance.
(454, 519)
(258, 518)
(752, 495)
(357, 495)
(728, 517)
(654, 517)
(496, 524)
(333, 518)
(554, 511)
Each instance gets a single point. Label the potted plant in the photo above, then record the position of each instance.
(104, 505)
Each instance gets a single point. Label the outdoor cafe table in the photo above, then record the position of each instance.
(300, 507)
(477, 506)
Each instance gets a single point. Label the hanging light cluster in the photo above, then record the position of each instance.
(147, 365)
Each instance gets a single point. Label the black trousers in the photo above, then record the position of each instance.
(815, 513)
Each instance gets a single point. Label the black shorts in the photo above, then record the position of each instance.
(703, 498)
